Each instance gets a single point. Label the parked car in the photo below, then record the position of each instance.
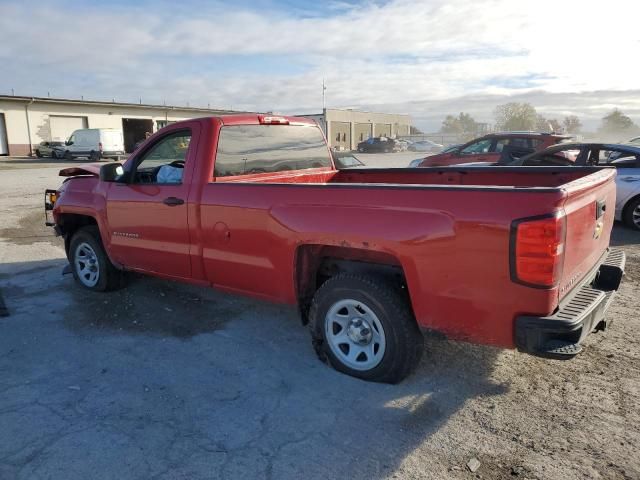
(377, 145)
(426, 146)
(346, 160)
(489, 148)
(402, 145)
(369, 256)
(626, 159)
(51, 149)
(95, 144)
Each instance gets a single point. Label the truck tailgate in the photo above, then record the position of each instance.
(589, 209)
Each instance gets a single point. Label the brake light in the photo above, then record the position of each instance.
(537, 250)
(270, 120)
(100, 146)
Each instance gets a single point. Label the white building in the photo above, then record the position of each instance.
(27, 121)
(346, 128)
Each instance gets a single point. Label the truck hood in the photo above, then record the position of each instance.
(85, 169)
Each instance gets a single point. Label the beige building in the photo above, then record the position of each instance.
(27, 121)
(346, 128)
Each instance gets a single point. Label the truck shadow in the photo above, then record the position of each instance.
(622, 235)
(227, 375)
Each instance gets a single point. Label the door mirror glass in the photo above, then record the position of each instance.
(111, 172)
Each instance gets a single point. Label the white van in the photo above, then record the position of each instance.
(94, 143)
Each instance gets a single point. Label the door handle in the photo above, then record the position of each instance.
(173, 201)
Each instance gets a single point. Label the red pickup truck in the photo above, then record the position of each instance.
(516, 257)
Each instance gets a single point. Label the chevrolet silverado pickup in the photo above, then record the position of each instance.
(516, 257)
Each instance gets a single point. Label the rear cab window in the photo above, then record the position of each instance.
(254, 149)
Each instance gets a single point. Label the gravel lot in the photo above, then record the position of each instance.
(168, 381)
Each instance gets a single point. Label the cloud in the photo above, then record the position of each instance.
(273, 55)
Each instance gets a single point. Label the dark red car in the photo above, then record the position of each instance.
(490, 148)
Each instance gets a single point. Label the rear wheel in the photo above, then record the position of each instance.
(90, 264)
(94, 156)
(632, 214)
(365, 328)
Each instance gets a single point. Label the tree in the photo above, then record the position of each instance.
(542, 124)
(515, 116)
(572, 124)
(463, 123)
(415, 131)
(617, 122)
(548, 125)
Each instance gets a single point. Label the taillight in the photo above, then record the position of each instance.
(100, 146)
(537, 250)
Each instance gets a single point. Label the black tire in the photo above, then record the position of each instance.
(94, 156)
(404, 343)
(54, 154)
(627, 217)
(38, 154)
(67, 155)
(109, 277)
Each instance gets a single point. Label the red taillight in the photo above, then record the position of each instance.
(271, 120)
(537, 250)
(100, 146)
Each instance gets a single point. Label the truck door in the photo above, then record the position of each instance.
(147, 217)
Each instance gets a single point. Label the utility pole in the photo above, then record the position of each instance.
(324, 87)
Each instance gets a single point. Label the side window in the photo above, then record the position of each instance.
(164, 161)
(248, 149)
(477, 147)
(501, 143)
(618, 159)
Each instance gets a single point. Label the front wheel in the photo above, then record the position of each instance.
(90, 264)
(38, 154)
(365, 328)
(68, 155)
(632, 214)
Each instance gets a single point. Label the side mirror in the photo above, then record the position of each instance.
(111, 172)
(68, 142)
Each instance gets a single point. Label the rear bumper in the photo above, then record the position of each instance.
(559, 335)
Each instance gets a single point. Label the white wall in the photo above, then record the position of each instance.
(98, 116)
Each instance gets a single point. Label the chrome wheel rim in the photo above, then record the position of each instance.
(635, 216)
(355, 335)
(86, 265)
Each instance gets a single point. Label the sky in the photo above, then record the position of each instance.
(427, 58)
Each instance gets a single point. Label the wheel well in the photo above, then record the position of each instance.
(70, 223)
(627, 205)
(315, 264)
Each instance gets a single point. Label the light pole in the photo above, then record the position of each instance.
(324, 87)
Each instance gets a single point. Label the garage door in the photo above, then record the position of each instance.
(362, 131)
(340, 135)
(383, 129)
(62, 126)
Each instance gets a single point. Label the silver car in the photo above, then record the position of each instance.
(625, 157)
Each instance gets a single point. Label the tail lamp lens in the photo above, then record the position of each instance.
(538, 250)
